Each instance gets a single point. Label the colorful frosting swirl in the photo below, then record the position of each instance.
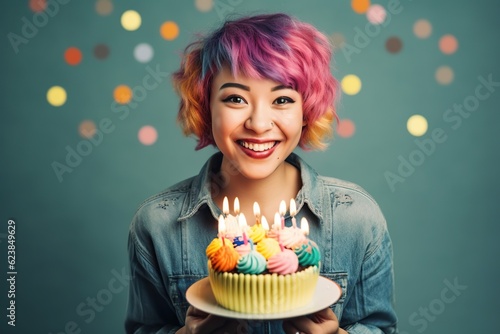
(225, 258)
(308, 253)
(268, 247)
(213, 247)
(290, 237)
(256, 233)
(252, 263)
(243, 249)
(283, 263)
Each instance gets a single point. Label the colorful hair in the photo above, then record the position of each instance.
(272, 46)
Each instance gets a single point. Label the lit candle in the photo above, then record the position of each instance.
(236, 206)
(304, 226)
(256, 212)
(293, 212)
(282, 213)
(264, 223)
(222, 227)
(277, 221)
(243, 227)
(225, 206)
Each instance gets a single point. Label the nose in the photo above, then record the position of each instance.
(260, 119)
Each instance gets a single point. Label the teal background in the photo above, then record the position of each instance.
(71, 236)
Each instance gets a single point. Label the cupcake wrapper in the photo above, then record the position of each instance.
(265, 293)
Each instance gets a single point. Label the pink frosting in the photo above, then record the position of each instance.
(285, 262)
(243, 249)
(290, 237)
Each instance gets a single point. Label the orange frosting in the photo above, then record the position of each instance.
(225, 258)
(214, 246)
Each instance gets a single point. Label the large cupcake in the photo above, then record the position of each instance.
(264, 276)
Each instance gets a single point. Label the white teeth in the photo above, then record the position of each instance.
(257, 147)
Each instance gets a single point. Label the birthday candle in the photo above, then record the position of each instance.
(293, 212)
(277, 221)
(264, 223)
(256, 212)
(222, 227)
(304, 226)
(282, 213)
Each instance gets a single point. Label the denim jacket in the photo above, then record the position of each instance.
(170, 231)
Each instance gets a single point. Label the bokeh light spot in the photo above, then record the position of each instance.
(417, 125)
(444, 75)
(143, 52)
(448, 44)
(345, 128)
(376, 14)
(56, 96)
(360, 6)
(351, 84)
(131, 20)
(337, 40)
(169, 30)
(422, 28)
(101, 51)
(38, 5)
(122, 94)
(104, 7)
(73, 56)
(393, 44)
(204, 5)
(147, 135)
(87, 129)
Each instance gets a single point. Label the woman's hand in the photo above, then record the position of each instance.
(322, 322)
(199, 322)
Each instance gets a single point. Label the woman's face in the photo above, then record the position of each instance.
(256, 123)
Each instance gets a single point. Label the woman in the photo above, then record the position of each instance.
(257, 88)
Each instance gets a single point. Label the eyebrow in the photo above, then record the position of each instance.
(237, 85)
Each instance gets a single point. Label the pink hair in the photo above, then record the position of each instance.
(273, 46)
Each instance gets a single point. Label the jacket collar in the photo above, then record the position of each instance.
(200, 191)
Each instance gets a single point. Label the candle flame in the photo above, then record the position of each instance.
(282, 210)
(242, 221)
(256, 209)
(277, 221)
(304, 226)
(225, 206)
(264, 223)
(293, 207)
(236, 206)
(222, 224)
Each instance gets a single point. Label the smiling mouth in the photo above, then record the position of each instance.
(257, 147)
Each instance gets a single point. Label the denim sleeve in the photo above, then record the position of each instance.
(149, 307)
(371, 308)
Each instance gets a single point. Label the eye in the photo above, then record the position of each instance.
(283, 100)
(234, 99)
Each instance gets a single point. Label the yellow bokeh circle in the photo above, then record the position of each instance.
(351, 84)
(131, 20)
(56, 96)
(417, 125)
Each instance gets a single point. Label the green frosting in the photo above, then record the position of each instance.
(308, 254)
(252, 263)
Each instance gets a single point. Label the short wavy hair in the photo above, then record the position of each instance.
(272, 46)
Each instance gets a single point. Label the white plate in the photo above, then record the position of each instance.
(200, 296)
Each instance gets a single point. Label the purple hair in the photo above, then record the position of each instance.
(273, 46)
